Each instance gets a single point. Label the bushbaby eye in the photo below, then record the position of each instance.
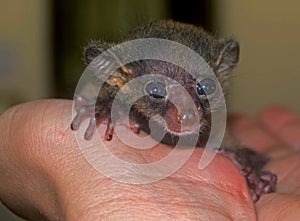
(156, 90)
(206, 87)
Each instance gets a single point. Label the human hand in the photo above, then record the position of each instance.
(44, 175)
(275, 132)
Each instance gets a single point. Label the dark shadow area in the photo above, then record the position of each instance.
(76, 22)
(194, 12)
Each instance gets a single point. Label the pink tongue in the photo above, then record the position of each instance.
(174, 127)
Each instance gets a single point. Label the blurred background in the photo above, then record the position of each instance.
(41, 45)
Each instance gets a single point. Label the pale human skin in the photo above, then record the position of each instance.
(43, 175)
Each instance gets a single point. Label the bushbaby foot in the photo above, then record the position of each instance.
(251, 165)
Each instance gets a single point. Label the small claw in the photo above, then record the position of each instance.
(270, 181)
(76, 122)
(261, 182)
(90, 129)
(255, 197)
(73, 126)
(109, 131)
(135, 127)
(80, 102)
(83, 113)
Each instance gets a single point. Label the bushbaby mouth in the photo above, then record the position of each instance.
(175, 127)
(175, 124)
(178, 129)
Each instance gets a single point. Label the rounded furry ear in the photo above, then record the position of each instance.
(228, 56)
(94, 49)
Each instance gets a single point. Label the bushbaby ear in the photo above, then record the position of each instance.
(94, 49)
(228, 57)
(120, 77)
(115, 78)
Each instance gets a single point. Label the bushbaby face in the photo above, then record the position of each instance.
(181, 101)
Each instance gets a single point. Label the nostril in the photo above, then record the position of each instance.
(179, 119)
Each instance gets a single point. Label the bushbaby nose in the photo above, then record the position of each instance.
(188, 117)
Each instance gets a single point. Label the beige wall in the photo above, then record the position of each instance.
(269, 34)
(25, 64)
(25, 37)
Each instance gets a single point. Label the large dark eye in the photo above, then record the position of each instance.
(156, 90)
(206, 87)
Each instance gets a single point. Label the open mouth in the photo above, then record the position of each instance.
(179, 129)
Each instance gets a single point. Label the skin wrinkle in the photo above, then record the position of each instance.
(220, 212)
(40, 139)
(31, 189)
(175, 198)
(167, 203)
(205, 205)
(229, 187)
(216, 208)
(167, 209)
(12, 118)
(34, 160)
(71, 179)
(224, 188)
(49, 130)
(283, 211)
(132, 201)
(272, 135)
(88, 213)
(194, 204)
(5, 139)
(115, 202)
(38, 142)
(60, 134)
(291, 168)
(47, 189)
(35, 144)
(218, 186)
(103, 192)
(282, 123)
(282, 116)
(293, 140)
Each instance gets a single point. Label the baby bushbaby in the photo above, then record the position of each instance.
(222, 55)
